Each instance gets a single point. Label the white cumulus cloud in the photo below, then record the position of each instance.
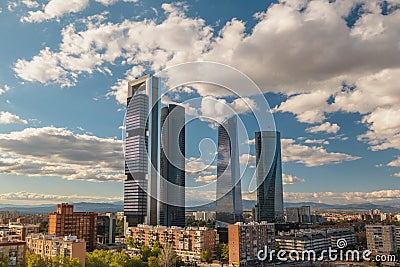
(8, 118)
(291, 179)
(51, 151)
(311, 155)
(55, 9)
(325, 127)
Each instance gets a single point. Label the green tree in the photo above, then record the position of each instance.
(205, 255)
(98, 258)
(3, 260)
(43, 227)
(63, 261)
(152, 261)
(222, 252)
(105, 258)
(156, 249)
(145, 251)
(33, 260)
(119, 230)
(167, 257)
(120, 259)
(130, 242)
(136, 262)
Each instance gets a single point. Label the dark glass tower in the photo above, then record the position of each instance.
(172, 166)
(140, 147)
(269, 176)
(229, 192)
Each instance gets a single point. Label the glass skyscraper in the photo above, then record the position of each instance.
(269, 176)
(147, 197)
(141, 132)
(229, 205)
(172, 166)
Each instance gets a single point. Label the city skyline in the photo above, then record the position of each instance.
(335, 99)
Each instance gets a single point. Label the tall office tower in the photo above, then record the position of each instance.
(142, 134)
(229, 191)
(106, 227)
(269, 176)
(172, 166)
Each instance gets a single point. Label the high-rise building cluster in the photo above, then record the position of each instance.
(154, 158)
(154, 190)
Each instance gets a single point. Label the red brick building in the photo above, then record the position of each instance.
(66, 222)
(246, 240)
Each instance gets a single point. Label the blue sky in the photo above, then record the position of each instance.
(329, 69)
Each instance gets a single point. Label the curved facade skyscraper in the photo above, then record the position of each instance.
(229, 207)
(269, 177)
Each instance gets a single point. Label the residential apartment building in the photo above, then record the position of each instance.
(66, 222)
(316, 240)
(334, 234)
(47, 246)
(381, 238)
(302, 241)
(245, 240)
(22, 230)
(14, 251)
(187, 242)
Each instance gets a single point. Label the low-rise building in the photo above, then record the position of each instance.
(302, 241)
(47, 246)
(246, 240)
(187, 242)
(316, 240)
(14, 251)
(336, 234)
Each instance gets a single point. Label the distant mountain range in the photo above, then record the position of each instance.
(49, 208)
(247, 205)
(384, 207)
